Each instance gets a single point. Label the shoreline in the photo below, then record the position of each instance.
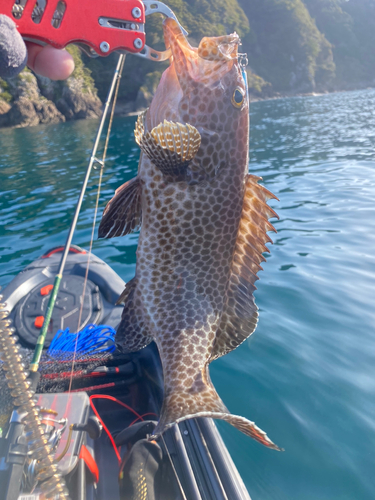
(280, 95)
(254, 98)
(126, 108)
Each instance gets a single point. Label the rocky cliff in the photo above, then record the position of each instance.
(29, 100)
(293, 47)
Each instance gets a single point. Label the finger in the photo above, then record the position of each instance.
(46, 61)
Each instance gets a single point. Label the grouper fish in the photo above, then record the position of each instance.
(203, 223)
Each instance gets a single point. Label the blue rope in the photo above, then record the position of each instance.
(93, 338)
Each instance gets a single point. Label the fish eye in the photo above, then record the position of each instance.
(238, 98)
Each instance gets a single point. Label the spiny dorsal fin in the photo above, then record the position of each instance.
(123, 213)
(240, 314)
(170, 146)
(132, 333)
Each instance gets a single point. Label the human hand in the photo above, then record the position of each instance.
(14, 54)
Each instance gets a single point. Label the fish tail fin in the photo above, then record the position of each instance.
(179, 406)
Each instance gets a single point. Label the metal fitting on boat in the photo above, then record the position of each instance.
(51, 482)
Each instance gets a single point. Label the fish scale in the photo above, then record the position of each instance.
(203, 229)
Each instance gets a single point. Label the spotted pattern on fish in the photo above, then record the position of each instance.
(202, 234)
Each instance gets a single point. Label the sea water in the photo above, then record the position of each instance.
(307, 375)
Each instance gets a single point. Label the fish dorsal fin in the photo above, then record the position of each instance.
(170, 146)
(240, 314)
(132, 334)
(124, 212)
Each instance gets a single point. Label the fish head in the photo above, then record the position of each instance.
(204, 86)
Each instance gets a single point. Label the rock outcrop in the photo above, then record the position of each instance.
(4, 107)
(72, 98)
(28, 106)
(28, 100)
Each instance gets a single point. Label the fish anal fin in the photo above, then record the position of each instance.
(240, 316)
(132, 333)
(124, 212)
(170, 146)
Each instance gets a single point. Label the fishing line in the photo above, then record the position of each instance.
(34, 365)
(174, 469)
(120, 65)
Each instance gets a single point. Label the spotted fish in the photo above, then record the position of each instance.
(203, 222)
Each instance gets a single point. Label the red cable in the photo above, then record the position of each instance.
(94, 387)
(111, 398)
(106, 430)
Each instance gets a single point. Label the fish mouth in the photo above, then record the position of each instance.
(190, 66)
(207, 63)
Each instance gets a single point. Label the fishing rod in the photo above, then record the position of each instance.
(93, 159)
(103, 35)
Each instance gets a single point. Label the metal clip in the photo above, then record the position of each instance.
(155, 7)
(243, 60)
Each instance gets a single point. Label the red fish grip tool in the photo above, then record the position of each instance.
(99, 27)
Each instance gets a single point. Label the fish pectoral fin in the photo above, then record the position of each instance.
(171, 147)
(132, 333)
(128, 290)
(124, 212)
(240, 314)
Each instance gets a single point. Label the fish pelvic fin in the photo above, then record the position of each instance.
(240, 314)
(132, 333)
(179, 406)
(123, 213)
(170, 146)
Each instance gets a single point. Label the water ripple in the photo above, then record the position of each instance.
(307, 374)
